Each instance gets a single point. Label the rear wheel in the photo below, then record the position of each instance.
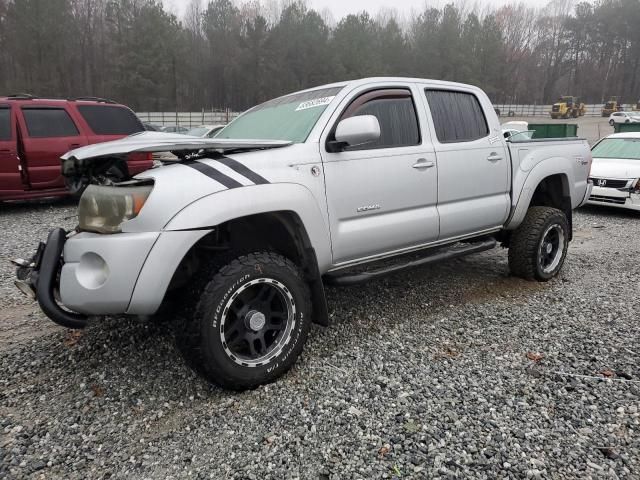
(250, 323)
(539, 245)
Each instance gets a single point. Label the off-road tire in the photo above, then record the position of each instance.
(200, 329)
(525, 245)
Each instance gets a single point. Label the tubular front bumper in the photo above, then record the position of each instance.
(45, 275)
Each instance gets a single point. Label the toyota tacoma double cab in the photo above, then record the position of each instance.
(336, 184)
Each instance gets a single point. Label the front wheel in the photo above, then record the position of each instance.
(539, 245)
(611, 122)
(250, 323)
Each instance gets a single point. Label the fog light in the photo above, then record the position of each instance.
(92, 271)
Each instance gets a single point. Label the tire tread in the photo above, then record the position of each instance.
(191, 324)
(524, 242)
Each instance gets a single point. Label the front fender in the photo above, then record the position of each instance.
(526, 182)
(226, 205)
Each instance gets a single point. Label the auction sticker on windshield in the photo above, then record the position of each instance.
(316, 102)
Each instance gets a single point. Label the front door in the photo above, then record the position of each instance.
(382, 196)
(46, 134)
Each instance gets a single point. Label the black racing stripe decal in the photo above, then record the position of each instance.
(241, 169)
(211, 172)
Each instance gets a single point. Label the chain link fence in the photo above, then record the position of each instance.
(509, 110)
(188, 119)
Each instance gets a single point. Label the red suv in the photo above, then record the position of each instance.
(35, 133)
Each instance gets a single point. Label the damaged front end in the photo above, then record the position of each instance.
(101, 263)
(78, 174)
(108, 163)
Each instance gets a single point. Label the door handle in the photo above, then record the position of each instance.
(424, 163)
(494, 157)
(75, 145)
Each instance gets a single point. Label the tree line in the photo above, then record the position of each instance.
(225, 54)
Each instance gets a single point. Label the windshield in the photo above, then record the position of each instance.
(198, 131)
(288, 118)
(625, 148)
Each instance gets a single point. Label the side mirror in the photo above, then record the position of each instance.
(358, 130)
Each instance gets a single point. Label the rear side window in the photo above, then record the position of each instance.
(5, 123)
(110, 120)
(49, 122)
(395, 113)
(458, 116)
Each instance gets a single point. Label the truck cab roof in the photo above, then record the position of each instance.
(387, 80)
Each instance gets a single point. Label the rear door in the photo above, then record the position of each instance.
(47, 132)
(473, 164)
(10, 177)
(382, 196)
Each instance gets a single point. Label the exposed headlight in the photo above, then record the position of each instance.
(104, 209)
(636, 186)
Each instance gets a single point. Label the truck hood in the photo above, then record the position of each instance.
(615, 168)
(164, 142)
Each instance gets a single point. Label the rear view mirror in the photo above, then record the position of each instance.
(358, 130)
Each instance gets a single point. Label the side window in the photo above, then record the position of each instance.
(49, 122)
(5, 123)
(110, 120)
(396, 114)
(457, 116)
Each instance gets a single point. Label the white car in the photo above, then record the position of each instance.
(624, 117)
(205, 131)
(175, 129)
(615, 171)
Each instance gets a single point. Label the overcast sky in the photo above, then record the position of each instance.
(340, 8)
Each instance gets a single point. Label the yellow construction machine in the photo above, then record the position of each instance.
(613, 105)
(567, 106)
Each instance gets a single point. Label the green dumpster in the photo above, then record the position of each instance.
(626, 127)
(554, 130)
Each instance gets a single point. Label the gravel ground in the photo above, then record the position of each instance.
(453, 371)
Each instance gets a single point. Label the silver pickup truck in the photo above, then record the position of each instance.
(247, 227)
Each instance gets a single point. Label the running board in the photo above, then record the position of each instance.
(344, 280)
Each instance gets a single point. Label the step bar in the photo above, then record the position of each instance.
(344, 280)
